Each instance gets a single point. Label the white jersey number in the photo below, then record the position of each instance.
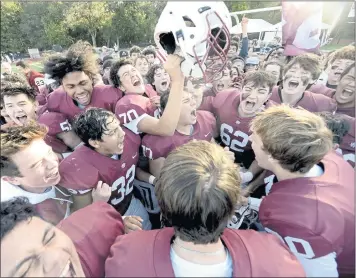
(147, 152)
(292, 241)
(123, 185)
(65, 126)
(128, 117)
(226, 131)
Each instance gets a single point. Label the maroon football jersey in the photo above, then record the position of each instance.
(349, 111)
(234, 130)
(56, 123)
(93, 230)
(310, 101)
(253, 255)
(347, 146)
(322, 89)
(35, 79)
(42, 95)
(131, 108)
(160, 146)
(315, 216)
(84, 168)
(103, 96)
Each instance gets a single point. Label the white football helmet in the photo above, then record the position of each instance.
(199, 32)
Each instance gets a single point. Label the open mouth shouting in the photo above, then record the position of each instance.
(22, 119)
(293, 84)
(347, 93)
(249, 105)
(164, 84)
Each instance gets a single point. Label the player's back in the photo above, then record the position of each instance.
(316, 213)
(253, 254)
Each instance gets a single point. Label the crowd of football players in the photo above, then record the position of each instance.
(124, 167)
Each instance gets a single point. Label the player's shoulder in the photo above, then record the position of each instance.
(322, 89)
(56, 97)
(322, 102)
(148, 247)
(107, 90)
(84, 227)
(150, 92)
(261, 254)
(226, 98)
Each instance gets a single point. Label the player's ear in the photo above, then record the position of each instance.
(12, 180)
(94, 143)
(336, 146)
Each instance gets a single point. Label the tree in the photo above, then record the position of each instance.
(11, 39)
(92, 16)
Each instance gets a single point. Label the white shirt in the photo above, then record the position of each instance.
(183, 268)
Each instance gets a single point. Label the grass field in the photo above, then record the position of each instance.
(34, 64)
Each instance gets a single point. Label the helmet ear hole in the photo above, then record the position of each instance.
(168, 42)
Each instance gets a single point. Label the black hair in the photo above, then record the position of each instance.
(151, 72)
(338, 125)
(135, 49)
(15, 211)
(108, 63)
(91, 125)
(58, 66)
(149, 51)
(107, 57)
(115, 69)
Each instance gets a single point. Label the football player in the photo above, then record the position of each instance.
(298, 74)
(78, 92)
(197, 191)
(135, 51)
(340, 60)
(34, 78)
(192, 124)
(77, 247)
(234, 111)
(343, 129)
(29, 168)
(135, 110)
(109, 154)
(309, 203)
(21, 105)
(344, 95)
(159, 79)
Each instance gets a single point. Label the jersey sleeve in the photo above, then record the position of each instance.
(210, 120)
(85, 228)
(78, 179)
(130, 116)
(155, 147)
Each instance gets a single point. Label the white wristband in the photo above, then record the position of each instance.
(151, 179)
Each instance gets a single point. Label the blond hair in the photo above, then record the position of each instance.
(198, 189)
(307, 61)
(17, 138)
(347, 53)
(295, 137)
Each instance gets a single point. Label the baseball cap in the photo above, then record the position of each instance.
(124, 54)
(253, 61)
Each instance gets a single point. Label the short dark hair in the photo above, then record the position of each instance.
(115, 69)
(338, 125)
(164, 99)
(347, 53)
(22, 64)
(135, 49)
(148, 51)
(91, 124)
(308, 61)
(234, 59)
(151, 73)
(59, 66)
(14, 84)
(198, 190)
(235, 43)
(259, 78)
(15, 211)
(108, 63)
(107, 57)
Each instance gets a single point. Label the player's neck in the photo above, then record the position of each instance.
(104, 153)
(283, 174)
(211, 253)
(291, 99)
(184, 129)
